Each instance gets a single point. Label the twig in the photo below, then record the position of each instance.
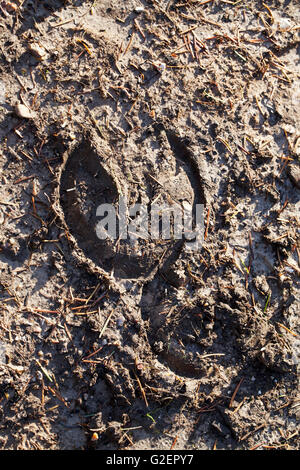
(252, 432)
(142, 390)
(45, 372)
(173, 443)
(207, 223)
(105, 324)
(129, 44)
(235, 392)
(287, 329)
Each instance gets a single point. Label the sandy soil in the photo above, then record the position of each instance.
(148, 346)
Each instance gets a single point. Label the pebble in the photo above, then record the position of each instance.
(2, 93)
(289, 128)
(38, 51)
(39, 375)
(139, 9)
(23, 112)
(288, 269)
(294, 175)
(284, 23)
(161, 67)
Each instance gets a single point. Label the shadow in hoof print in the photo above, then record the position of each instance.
(122, 193)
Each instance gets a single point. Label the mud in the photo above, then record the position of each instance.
(144, 342)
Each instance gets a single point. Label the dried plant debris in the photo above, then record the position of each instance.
(144, 343)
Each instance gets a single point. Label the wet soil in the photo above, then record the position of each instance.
(143, 343)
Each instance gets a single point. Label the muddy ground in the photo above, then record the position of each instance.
(148, 345)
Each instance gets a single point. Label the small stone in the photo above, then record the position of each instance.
(2, 93)
(139, 9)
(289, 128)
(160, 66)
(23, 112)
(95, 436)
(284, 23)
(39, 375)
(294, 175)
(38, 51)
(289, 270)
